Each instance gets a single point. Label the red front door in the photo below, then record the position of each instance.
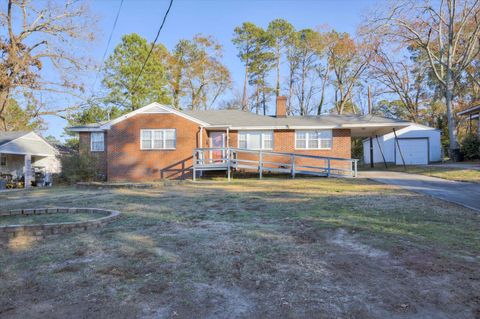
(217, 141)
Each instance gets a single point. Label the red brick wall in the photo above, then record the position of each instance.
(126, 161)
(84, 148)
(284, 141)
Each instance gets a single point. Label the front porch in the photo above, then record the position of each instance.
(26, 160)
(25, 170)
(473, 114)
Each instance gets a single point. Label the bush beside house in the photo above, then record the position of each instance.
(470, 147)
(80, 168)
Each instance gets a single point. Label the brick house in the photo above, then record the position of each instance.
(157, 142)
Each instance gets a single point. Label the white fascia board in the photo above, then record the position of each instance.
(399, 124)
(215, 127)
(283, 127)
(23, 153)
(313, 127)
(89, 129)
(167, 109)
(318, 127)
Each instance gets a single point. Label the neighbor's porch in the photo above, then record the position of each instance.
(23, 169)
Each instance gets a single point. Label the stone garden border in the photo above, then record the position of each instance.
(42, 230)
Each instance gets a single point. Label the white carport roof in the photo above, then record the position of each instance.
(23, 143)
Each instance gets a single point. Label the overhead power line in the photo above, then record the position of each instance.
(151, 48)
(108, 45)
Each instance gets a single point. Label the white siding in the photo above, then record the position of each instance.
(52, 164)
(387, 143)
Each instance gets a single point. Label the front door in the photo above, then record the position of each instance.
(217, 140)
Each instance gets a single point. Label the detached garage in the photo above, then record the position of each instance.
(418, 144)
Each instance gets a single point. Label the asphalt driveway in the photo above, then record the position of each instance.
(465, 194)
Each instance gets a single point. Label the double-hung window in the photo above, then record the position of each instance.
(313, 140)
(158, 139)
(3, 160)
(97, 142)
(255, 140)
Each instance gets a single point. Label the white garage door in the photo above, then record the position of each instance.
(414, 151)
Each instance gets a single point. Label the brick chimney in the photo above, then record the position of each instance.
(281, 106)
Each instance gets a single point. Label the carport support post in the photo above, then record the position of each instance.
(260, 164)
(399, 150)
(381, 151)
(371, 152)
(228, 163)
(478, 126)
(28, 170)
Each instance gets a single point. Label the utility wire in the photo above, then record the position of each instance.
(108, 45)
(151, 49)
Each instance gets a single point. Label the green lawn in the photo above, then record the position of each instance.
(450, 173)
(276, 248)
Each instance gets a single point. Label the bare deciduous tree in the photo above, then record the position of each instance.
(348, 59)
(447, 31)
(37, 36)
(401, 78)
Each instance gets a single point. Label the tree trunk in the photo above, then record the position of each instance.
(302, 92)
(320, 104)
(322, 99)
(3, 105)
(264, 102)
(277, 88)
(257, 100)
(449, 84)
(452, 134)
(244, 98)
(290, 91)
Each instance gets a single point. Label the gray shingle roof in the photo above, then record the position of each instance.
(238, 118)
(6, 137)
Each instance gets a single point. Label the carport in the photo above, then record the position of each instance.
(22, 151)
(415, 144)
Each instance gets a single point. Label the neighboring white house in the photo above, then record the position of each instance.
(22, 151)
(419, 145)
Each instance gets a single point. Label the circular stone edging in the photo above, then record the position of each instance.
(55, 228)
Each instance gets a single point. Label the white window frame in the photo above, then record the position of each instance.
(92, 148)
(307, 138)
(164, 139)
(1, 160)
(263, 134)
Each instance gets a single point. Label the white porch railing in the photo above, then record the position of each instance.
(215, 159)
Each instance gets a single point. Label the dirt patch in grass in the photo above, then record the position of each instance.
(250, 249)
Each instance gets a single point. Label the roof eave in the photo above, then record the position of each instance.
(470, 110)
(85, 129)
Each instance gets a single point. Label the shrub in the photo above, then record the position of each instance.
(357, 147)
(79, 168)
(471, 147)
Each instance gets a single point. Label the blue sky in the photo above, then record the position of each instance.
(213, 17)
